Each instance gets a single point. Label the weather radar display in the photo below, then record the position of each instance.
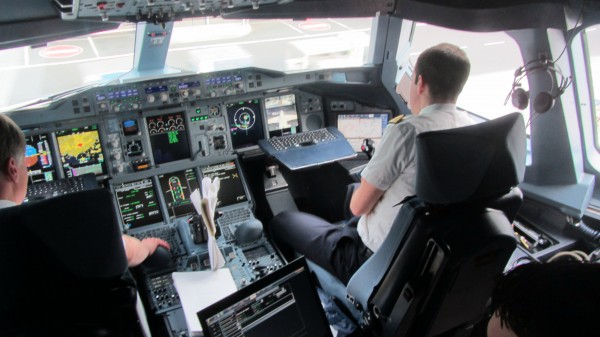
(81, 151)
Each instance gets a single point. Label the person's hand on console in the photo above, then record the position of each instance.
(153, 243)
(159, 259)
(137, 251)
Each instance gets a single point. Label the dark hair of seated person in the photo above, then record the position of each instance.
(549, 299)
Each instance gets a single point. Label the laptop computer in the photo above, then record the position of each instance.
(284, 303)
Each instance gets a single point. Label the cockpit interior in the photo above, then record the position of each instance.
(135, 104)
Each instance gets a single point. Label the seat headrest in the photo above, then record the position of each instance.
(81, 230)
(471, 163)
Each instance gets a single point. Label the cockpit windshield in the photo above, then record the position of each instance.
(197, 45)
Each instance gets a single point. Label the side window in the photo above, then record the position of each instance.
(592, 35)
(494, 58)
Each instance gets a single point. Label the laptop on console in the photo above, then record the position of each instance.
(284, 303)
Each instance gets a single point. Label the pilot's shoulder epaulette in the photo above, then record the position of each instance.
(397, 119)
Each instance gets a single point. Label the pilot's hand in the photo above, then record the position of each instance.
(152, 243)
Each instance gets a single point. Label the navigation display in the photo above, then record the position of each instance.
(176, 188)
(282, 117)
(245, 123)
(39, 160)
(81, 151)
(168, 137)
(138, 204)
(356, 127)
(232, 188)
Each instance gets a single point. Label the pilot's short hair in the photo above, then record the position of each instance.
(12, 142)
(556, 299)
(445, 69)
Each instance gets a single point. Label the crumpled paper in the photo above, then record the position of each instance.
(206, 207)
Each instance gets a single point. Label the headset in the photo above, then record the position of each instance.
(544, 100)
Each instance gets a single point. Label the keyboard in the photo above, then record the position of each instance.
(234, 216)
(301, 139)
(168, 234)
(231, 217)
(55, 188)
(295, 151)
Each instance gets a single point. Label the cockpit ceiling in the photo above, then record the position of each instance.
(27, 22)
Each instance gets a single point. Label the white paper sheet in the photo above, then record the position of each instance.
(199, 289)
(206, 206)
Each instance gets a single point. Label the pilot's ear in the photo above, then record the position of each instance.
(421, 85)
(12, 168)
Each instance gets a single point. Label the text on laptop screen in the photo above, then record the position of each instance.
(176, 188)
(359, 126)
(39, 160)
(282, 117)
(138, 204)
(283, 304)
(232, 187)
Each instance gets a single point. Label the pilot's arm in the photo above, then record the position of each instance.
(396, 150)
(364, 198)
(137, 251)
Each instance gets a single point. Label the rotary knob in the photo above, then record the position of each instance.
(150, 98)
(164, 97)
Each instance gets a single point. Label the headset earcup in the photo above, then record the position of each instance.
(520, 98)
(543, 102)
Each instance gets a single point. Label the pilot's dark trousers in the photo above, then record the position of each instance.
(337, 248)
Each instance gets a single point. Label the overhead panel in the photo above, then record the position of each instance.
(150, 10)
(166, 10)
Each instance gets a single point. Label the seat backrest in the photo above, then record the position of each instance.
(64, 267)
(436, 268)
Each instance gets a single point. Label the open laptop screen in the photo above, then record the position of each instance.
(358, 126)
(284, 303)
